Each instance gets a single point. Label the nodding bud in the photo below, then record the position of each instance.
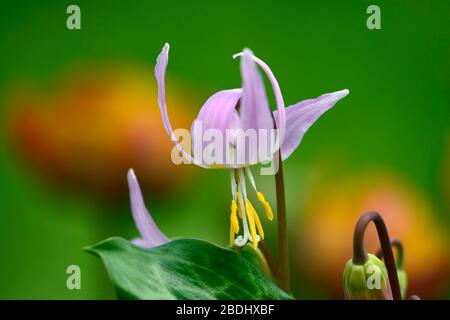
(367, 281)
(403, 281)
(401, 274)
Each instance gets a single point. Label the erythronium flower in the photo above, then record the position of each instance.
(151, 236)
(239, 110)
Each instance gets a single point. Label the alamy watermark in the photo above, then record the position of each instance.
(73, 21)
(73, 281)
(374, 20)
(230, 148)
(374, 277)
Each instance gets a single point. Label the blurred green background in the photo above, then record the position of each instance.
(71, 101)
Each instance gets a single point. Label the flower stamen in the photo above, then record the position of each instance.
(239, 205)
(234, 224)
(266, 205)
(242, 207)
(251, 222)
(260, 195)
(256, 219)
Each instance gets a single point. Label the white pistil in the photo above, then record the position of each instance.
(248, 172)
(241, 240)
(242, 182)
(233, 185)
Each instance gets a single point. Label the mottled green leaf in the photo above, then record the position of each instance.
(183, 269)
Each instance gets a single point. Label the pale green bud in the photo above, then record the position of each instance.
(368, 281)
(403, 282)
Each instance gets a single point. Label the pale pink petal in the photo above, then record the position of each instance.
(254, 110)
(219, 111)
(281, 120)
(149, 231)
(301, 116)
(160, 74)
(219, 114)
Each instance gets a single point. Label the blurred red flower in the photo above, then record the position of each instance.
(94, 126)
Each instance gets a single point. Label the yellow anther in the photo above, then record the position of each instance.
(231, 236)
(257, 221)
(233, 217)
(258, 225)
(267, 208)
(234, 224)
(251, 222)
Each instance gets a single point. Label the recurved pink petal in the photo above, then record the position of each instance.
(149, 231)
(160, 74)
(254, 110)
(301, 116)
(281, 121)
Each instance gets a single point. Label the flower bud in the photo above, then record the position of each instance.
(257, 258)
(368, 281)
(403, 281)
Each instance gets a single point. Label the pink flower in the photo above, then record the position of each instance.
(238, 113)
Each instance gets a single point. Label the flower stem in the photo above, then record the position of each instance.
(283, 252)
(395, 243)
(270, 261)
(359, 251)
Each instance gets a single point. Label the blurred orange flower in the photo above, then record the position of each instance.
(325, 239)
(94, 126)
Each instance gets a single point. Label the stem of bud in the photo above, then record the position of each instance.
(360, 254)
(270, 261)
(395, 243)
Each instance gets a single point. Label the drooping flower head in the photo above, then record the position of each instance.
(247, 132)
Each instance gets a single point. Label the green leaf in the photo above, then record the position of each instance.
(183, 269)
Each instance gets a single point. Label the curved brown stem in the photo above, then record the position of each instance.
(270, 261)
(395, 243)
(359, 252)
